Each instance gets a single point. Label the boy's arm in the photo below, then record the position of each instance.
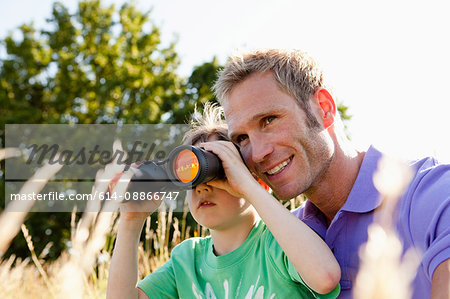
(123, 271)
(309, 254)
(123, 274)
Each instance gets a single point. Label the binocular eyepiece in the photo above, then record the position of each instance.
(185, 168)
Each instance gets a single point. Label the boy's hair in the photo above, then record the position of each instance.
(210, 123)
(295, 72)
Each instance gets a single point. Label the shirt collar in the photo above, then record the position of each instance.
(313, 217)
(364, 197)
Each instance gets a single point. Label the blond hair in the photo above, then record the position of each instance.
(296, 73)
(210, 123)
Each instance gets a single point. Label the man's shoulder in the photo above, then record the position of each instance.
(430, 176)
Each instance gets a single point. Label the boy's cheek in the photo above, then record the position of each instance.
(189, 194)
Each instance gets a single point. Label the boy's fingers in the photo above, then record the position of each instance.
(217, 184)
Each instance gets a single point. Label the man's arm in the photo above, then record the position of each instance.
(428, 217)
(440, 284)
(309, 254)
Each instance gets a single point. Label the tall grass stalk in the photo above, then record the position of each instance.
(81, 271)
(385, 272)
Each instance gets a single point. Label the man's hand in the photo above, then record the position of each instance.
(239, 179)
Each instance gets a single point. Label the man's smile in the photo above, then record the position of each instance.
(278, 168)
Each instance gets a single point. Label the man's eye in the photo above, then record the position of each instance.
(268, 120)
(241, 138)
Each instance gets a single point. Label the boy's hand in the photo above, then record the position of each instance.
(133, 211)
(239, 179)
(130, 210)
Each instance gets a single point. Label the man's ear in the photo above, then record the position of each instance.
(327, 107)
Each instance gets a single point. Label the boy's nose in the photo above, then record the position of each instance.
(202, 188)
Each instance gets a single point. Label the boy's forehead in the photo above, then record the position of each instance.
(210, 137)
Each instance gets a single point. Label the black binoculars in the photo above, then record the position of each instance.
(185, 168)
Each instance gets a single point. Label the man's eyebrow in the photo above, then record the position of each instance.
(255, 117)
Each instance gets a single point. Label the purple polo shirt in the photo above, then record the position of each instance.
(423, 220)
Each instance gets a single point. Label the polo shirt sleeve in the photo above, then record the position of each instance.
(283, 266)
(430, 216)
(161, 283)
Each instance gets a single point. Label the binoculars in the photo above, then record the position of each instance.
(185, 168)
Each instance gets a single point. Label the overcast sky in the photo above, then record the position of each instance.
(388, 61)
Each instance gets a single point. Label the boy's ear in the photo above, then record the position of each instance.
(261, 182)
(327, 107)
(264, 185)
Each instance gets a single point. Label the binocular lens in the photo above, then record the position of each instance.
(186, 166)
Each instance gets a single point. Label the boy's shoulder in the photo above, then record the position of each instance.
(191, 246)
(260, 235)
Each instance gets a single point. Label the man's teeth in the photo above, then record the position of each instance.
(205, 203)
(279, 167)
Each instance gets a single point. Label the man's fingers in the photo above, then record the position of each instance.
(224, 149)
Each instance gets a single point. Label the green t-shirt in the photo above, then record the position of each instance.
(257, 269)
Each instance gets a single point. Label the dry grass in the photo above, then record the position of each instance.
(384, 271)
(83, 273)
(82, 270)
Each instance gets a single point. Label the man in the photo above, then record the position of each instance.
(285, 122)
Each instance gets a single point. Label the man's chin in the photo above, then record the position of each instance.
(283, 196)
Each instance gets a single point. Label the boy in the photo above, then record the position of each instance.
(244, 257)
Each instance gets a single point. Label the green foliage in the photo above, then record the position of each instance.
(345, 116)
(99, 65)
(198, 90)
(202, 79)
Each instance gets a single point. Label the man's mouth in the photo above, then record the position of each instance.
(278, 168)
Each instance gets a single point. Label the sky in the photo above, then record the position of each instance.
(388, 61)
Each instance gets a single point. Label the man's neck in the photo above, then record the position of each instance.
(230, 238)
(330, 193)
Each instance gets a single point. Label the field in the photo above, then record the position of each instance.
(81, 271)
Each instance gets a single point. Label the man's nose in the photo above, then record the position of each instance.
(260, 149)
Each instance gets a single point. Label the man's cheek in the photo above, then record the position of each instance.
(246, 155)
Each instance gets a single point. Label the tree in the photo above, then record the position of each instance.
(97, 65)
(198, 90)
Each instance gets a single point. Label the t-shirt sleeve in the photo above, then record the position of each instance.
(161, 283)
(283, 266)
(430, 217)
